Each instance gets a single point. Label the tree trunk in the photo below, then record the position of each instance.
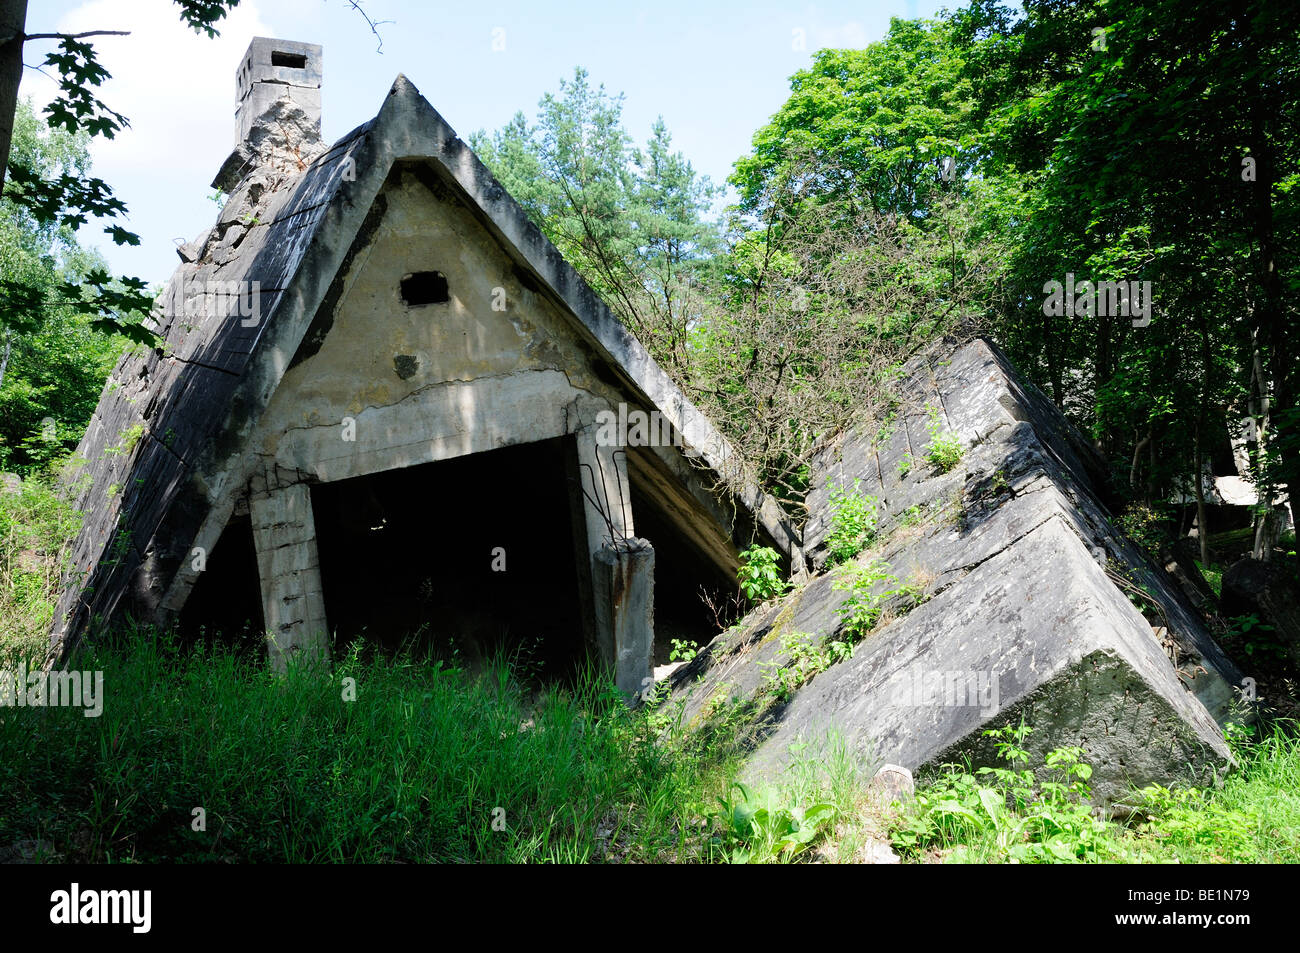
(1137, 454)
(1270, 317)
(1202, 519)
(4, 361)
(1266, 525)
(13, 19)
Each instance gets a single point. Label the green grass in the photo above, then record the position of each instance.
(417, 768)
(1213, 576)
(1004, 816)
(36, 527)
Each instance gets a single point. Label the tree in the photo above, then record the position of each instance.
(885, 129)
(51, 371)
(631, 221)
(1161, 138)
(72, 199)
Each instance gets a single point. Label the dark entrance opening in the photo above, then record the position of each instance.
(415, 557)
(686, 582)
(225, 606)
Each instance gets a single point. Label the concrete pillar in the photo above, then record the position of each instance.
(288, 567)
(618, 591)
(624, 584)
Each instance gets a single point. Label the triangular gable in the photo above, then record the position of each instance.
(164, 452)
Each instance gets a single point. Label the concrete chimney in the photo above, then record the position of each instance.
(277, 111)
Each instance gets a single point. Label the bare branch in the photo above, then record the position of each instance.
(73, 36)
(373, 24)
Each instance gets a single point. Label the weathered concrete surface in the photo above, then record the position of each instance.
(288, 565)
(1023, 618)
(625, 590)
(185, 430)
(278, 110)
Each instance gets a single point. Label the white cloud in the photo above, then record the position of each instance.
(165, 79)
(161, 81)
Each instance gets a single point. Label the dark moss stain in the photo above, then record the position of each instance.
(324, 319)
(406, 365)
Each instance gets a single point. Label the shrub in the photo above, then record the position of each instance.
(946, 449)
(1142, 524)
(860, 612)
(853, 523)
(1016, 818)
(36, 528)
(760, 574)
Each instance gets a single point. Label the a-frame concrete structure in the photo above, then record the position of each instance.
(376, 305)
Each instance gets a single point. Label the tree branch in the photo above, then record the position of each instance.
(73, 36)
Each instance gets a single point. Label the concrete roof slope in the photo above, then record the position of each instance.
(1005, 593)
(162, 459)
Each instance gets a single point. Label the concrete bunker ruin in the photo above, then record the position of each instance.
(406, 418)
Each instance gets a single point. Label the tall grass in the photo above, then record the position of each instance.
(36, 527)
(427, 764)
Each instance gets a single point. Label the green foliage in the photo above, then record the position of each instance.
(945, 450)
(871, 587)
(1253, 816)
(1143, 525)
(1251, 638)
(760, 574)
(631, 221)
(415, 769)
(853, 523)
(802, 660)
(1213, 576)
(1191, 818)
(36, 527)
(885, 118)
(1071, 130)
(757, 828)
(52, 360)
(1015, 818)
(683, 650)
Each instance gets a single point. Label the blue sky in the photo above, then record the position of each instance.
(715, 71)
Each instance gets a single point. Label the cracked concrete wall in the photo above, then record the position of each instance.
(432, 381)
(288, 568)
(395, 385)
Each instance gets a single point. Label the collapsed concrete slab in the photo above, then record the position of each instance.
(1031, 603)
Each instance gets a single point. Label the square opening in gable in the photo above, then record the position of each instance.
(424, 287)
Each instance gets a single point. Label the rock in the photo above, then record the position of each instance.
(894, 783)
(877, 852)
(1270, 591)
(29, 852)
